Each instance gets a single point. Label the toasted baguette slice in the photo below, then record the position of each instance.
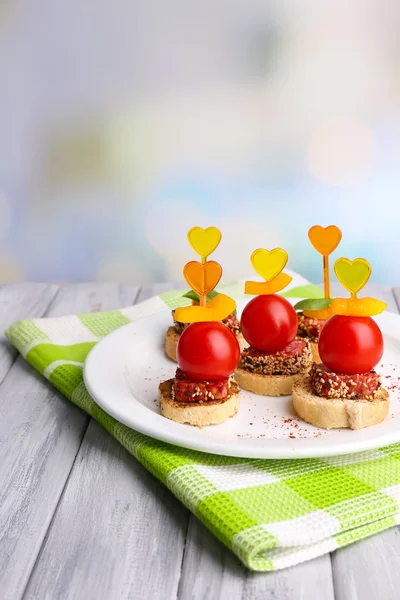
(242, 342)
(267, 385)
(172, 339)
(171, 343)
(314, 351)
(211, 412)
(333, 413)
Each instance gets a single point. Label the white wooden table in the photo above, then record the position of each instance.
(81, 518)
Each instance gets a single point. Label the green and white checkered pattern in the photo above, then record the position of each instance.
(271, 513)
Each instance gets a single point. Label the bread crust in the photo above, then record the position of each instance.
(314, 351)
(267, 385)
(211, 412)
(171, 343)
(334, 413)
(242, 342)
(172, 339)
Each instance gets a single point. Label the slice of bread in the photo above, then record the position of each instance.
(314, 351)
(211, 412)
(333, 413)
(242, 342)
(172, 339)
(171, 343)
(267, 385)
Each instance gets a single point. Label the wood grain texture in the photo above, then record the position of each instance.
(94, 297)
(396, 293)
(40, 434)
(158, 288)
(117, 533)
(210, 571)
(20, 301)
(370, 568)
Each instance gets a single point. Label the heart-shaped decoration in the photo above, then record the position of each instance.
(269, 263)
(202, 277)
(325, 239)
(204, 241)
(352, 274)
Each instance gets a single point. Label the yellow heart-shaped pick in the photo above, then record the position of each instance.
(202, 277)
(325, 239)
(269, 263)
(352, 274)
(204, 241)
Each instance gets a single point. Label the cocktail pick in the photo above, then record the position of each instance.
(353, 275)
(204, 241)
(202, 277)
(325, 240)
(269, 264)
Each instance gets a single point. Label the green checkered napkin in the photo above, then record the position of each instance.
(271, 513)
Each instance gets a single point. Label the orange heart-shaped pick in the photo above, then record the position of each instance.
(325, 239)
(204, 241)
(352, 274)
(202, 277)
(269, 263)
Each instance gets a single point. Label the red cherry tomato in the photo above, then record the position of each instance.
(350, 344)
(208, 351)
(269, 323)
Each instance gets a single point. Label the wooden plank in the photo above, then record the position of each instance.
(157, 288)
(370, 569)
(117, 532)
(211, 571)
(40, 434)
(20, 301)
(396, 293)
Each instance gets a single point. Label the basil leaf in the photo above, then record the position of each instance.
(313, 304)
(193, 296)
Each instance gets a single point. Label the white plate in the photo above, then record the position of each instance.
(123, 371)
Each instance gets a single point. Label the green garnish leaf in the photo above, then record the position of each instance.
(313, 304)
(193, 296)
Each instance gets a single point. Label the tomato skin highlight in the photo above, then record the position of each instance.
(269, 323)
(350, 344)
(208, 351)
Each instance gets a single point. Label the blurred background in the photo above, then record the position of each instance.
(125, 122)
